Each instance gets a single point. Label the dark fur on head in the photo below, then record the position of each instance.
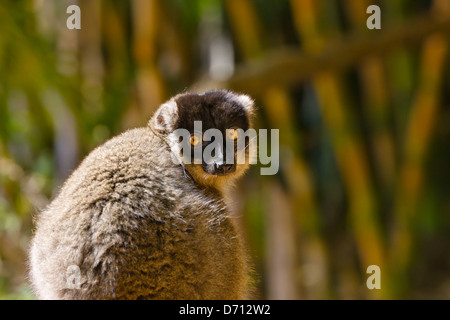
(219, 109)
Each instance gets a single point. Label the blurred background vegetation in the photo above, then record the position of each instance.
(364, 120)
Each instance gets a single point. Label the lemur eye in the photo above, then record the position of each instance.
(232, 133)
(195, 140)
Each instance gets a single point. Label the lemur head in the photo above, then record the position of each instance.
(209, 134)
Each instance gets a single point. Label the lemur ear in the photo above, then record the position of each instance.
(165, 117)
(247, 103)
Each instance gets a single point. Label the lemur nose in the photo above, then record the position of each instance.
(223, 168)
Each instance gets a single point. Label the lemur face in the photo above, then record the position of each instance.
(209, 134)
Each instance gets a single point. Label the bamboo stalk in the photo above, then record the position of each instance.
(150, 84)
(346, 142)
(375, 93)
(247, 28)
(91, 58)
(420, 126)
(281, 249)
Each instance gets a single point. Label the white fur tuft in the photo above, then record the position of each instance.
(246, 102)
(166, 116)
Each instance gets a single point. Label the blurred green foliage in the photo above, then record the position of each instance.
(364, 119)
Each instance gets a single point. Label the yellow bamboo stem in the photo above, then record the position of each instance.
(374, 89)
(245, 23)
(348, 148)
(151, 89)
(423, 116)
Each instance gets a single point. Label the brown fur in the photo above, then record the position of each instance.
(138, 227)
